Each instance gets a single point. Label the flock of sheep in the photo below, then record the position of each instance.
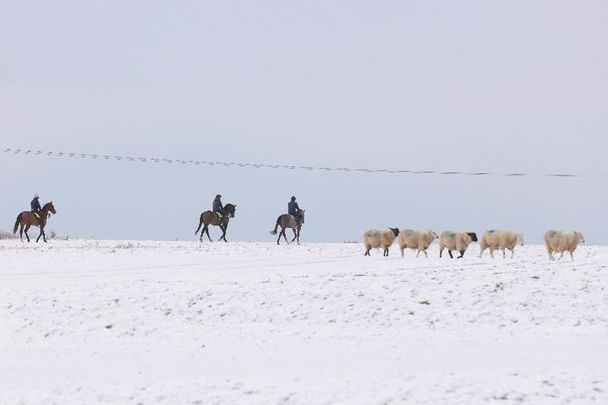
(555, 241)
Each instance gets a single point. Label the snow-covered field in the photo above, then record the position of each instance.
(184, 322)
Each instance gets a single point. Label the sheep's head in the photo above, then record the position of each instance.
(473, 236)
(579, 237)
(434, 235)
(395, 231)
(520, 239)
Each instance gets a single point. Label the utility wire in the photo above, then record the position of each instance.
(91, 156)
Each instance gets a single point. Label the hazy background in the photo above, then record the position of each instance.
(437, 85)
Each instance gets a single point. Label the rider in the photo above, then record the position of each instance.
(218, 207)
(294, 209)
(35, 204)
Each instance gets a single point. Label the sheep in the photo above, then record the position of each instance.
(560, 242)
(420, 240)
(500, 240)
(375, 239)
(456, 241)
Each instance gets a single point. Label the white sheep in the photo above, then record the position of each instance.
(456, 241)
(419, 240)
(375, 239)
(560, 242)
(500, 240)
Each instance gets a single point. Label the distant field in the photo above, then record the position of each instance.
(185, 322)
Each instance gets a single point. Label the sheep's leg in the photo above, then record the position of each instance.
(512, 253)
(402, 249)
(450, 252)
(481, 250)
(560, 256)
(503, 253)
(461, 254)
(425, 255)
(440, 251)
(571, 255)
(418, 254)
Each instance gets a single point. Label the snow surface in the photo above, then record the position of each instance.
(185, 322)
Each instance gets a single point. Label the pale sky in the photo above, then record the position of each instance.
(437, 85)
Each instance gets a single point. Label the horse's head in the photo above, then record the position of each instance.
(49, 207)
(302, 215)
(230, 209)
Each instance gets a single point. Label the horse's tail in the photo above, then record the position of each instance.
(17, 223)
(199, 225)
(274, 232)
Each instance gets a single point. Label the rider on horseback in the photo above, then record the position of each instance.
(294, 210)
(35, 205)
(218, 207)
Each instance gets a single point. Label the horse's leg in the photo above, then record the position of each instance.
(27, 227)
(295, 235)
(285, 235)
(41, 234)
(299, 229)
(21, 232)
(207, 232)
(224, 229)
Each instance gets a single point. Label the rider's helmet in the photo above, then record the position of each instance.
(36, 196)
(293, 198)
(218, 196)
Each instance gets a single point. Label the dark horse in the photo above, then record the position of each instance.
(288, 221)
(27, 219)
(211, 218)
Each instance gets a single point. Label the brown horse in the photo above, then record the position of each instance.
(288, 221)
(211, 218)
(27, 219)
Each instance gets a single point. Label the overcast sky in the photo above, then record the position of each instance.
(426, 85)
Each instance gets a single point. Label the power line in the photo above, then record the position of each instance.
(152, 160)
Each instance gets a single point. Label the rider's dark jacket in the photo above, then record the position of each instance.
(218, 206)
(293, 208)
(35, 204)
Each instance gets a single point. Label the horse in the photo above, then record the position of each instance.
(288, 221)
(27, 219)
(211, 218)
